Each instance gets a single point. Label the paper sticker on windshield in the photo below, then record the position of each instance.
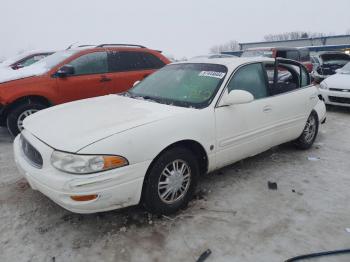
(214, 74)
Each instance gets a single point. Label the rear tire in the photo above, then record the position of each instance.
(171, 181)
(16, 116)
(307, 138)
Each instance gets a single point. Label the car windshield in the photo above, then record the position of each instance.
(346, 69)
(187, 84)
(257, 53)
(336, 59)
(53, 60)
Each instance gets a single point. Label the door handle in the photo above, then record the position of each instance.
(105, 79)
(267, 109)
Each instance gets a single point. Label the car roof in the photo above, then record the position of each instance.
(229, 62)
(329, 52)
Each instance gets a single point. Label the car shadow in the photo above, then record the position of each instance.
(5, 136)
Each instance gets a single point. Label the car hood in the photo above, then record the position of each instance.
(73, 126)
(8, 74)
(340, 81)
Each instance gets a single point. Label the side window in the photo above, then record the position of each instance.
(153, 61)
(289, 78)
(293, 55)
(251, 78)
(126, 61)
(93, 63)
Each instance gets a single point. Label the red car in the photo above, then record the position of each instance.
(298, 54)
(73, 74)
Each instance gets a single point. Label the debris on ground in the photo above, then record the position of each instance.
(299, 193)
(201, 194)
(272, 185)
(204, 255)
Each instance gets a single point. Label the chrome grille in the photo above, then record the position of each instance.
(32, 155)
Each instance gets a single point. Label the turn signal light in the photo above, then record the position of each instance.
(84, 198)
(114, 161)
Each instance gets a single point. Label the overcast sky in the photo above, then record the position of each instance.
(178, 27)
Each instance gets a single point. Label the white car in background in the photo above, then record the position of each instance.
(24, 59)
(151, 144)
(335, 90)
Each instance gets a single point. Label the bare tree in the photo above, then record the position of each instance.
(348, 32)
(292, 36)
(229, 46)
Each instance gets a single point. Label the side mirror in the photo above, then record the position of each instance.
(338, 71)
(65, 70)
(236, 97)
(136, 83)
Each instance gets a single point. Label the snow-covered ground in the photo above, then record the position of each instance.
(234, 213)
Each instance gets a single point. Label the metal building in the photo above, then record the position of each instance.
(316, 44)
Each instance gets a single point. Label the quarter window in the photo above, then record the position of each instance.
(250, 78)
(93, 63)
(153, 61)
(133, 61)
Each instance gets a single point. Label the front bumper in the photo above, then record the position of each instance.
(116, 188)
(337, 98)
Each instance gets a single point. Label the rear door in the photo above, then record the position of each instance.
(127, 67)
(291, 98)
(88, 80)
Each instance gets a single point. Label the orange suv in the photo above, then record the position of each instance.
(73, 74)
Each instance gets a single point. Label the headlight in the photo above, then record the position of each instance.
(323, 85)
(85, 164)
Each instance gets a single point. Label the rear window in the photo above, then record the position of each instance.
(288, 54)
(257, 53)
(304, 55)
(340, 59)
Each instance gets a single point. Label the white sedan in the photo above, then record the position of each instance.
(335, 90)
(151, 144)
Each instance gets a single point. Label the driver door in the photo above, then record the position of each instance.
(243, 130)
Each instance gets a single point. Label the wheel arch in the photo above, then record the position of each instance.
(192, 145)
(27, 99)
(189, 144)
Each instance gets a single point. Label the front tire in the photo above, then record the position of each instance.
(171, 181)
(16, 116)
(307, 138)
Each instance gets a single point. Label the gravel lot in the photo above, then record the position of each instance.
(234, 213)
